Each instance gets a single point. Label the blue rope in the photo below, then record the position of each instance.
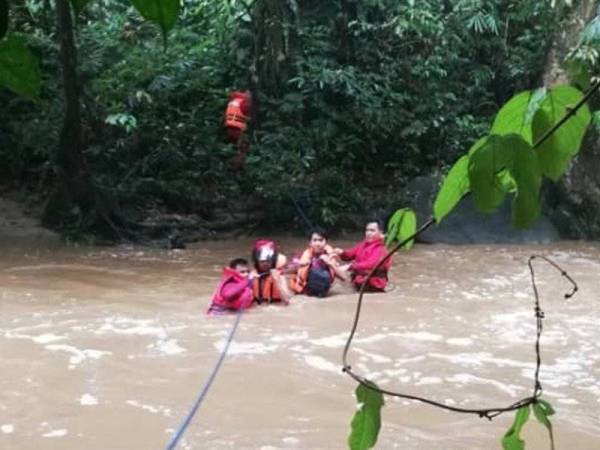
(176, 436)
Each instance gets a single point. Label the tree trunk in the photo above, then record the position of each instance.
(74, 191)
(70, 157)
(565, 40)
(573, 203)
(273, 30)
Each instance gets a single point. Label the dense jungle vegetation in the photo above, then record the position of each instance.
(352, 100)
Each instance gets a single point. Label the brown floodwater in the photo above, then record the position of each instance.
(107, 348)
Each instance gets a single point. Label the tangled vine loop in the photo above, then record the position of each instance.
(488, 413)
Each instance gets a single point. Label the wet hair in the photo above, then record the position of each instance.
(320, 231)
(237, 262)
(379, 223)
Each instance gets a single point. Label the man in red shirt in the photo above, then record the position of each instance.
(365, 256)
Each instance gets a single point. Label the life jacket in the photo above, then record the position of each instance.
(265, 290)
(234, 117)
(243, 300)
(300, 281)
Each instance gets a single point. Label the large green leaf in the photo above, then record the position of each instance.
(367, 419)
(517, 114)
(401, 226)
(162, 12)
(78, 5)
(527, 176)
(393, 226)
(512, 439)
(19, 70)
(3, 17)
(485, 166)
(454, 187)
(541, 410)
(555, 153)
(408, 227)
(477, 145)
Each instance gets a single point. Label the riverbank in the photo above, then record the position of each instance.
(21, 221)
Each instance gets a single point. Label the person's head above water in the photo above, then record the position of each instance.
(317, 240)
(374, 230)
(240, 265)
(264, 255)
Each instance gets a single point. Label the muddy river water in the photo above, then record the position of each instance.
(107, 348)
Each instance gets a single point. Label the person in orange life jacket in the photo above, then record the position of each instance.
(235, 288)
(268, 284)
(237, 115)
(317, 267)
(365, 256)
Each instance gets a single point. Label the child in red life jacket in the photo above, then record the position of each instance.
(317, 267)
(235, 289)
(365, 256)
(268, 284)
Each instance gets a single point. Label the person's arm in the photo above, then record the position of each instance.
(340, 271)
(281, 285)
(349, 254)
(233, 289)
(370, 261)
(305, 258)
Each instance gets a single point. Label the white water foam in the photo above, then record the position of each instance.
(246, 348)
(88, 400)
(56, 433)
(321, 363)
(170, 347)
(78, 356)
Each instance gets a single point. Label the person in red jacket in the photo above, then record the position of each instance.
(235, 289)
(365, 256)
(237, 116)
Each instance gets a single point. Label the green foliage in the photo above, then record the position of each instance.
(512, 439)
(485, 165)
(391, 93)
(19, 70)
(127, 121)
(367, 419)
(162, 12)
(542, 410)
(578, 73)
(525, 172)
(582, 61)
(454, 187)
(3, 18)
(517, 114)
(78, 5)
(556, 152)
(400, 227)
(505, 161)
